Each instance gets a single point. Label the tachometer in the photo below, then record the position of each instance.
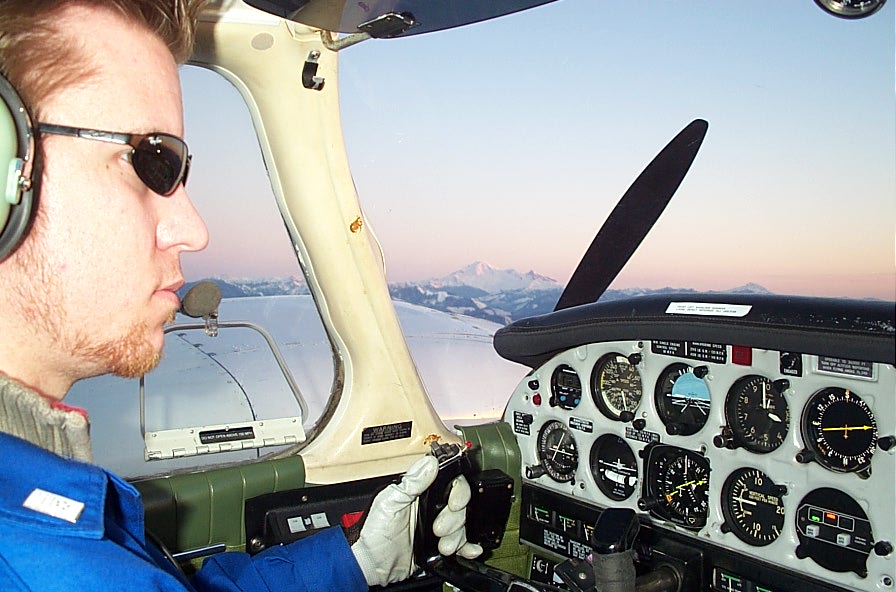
(682, 399)
(614, 467)
(616, 387)
(757, 414)
(557, 451)
(752, 506)
(676, 485)
(839, 431)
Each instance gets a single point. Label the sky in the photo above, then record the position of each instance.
(510, 141)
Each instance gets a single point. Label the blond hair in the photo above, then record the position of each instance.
(38, 60)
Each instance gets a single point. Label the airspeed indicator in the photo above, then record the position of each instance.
(616, 387)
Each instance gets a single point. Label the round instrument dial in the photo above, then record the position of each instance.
(682, 400)
(752, 506)
(566, 388)
(557, 451)
(676, 486)
(616, 387)
(839, 430)
(757, 414)
(614, 467)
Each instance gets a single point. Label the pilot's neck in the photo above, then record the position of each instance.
(50, 425)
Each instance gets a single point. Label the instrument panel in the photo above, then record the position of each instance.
(782, 457)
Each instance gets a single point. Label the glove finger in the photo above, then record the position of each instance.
(451, 543)
(460, 494)
(447, 522)
(419, 477)
(470, 551)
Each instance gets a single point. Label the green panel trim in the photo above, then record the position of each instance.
(192, 510)
(495, 447)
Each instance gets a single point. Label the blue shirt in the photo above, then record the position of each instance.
(67, 525)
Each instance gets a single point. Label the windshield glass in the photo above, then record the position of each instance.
(509, 143)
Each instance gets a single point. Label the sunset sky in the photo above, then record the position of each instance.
(510, 141)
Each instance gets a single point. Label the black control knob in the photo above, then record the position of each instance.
(635, 359)
(883, 548)
(886, 442)
(639, 424)
(534, 471)
(804, 456)
(533, 384)
(673, 429)
(725, 439)
(701, 371)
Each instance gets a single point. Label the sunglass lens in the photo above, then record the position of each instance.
(161, 163)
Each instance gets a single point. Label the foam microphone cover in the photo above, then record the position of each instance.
(201, 300)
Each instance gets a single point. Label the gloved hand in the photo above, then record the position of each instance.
(384, 550)
(450, 524)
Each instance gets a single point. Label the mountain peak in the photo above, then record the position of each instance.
(486, 277)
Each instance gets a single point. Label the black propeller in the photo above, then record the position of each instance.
(633, 217)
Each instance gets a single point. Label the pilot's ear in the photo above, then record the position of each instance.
(19, 170)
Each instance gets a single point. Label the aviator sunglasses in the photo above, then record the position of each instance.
(161, 161)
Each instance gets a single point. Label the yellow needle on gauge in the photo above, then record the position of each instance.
(682, 486)
(847, 429)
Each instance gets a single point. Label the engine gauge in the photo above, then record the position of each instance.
(614, 467)
(676, 485)
(557, 451)
(616, 387)
(752, 506)
(757, 414)
(839, 431)
(834, 531)
(566, 388)
(682, 400)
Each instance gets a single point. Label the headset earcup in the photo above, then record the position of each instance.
(17, 161)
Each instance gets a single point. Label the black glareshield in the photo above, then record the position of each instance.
(19, 170)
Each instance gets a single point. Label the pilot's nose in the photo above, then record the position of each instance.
(180, 225)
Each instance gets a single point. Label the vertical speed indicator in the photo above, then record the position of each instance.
(752, 506)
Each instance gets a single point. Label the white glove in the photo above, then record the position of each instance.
(449, 525)
(384, 550)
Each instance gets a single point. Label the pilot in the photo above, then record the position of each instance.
(89, 269)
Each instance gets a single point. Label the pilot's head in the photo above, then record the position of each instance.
(87, 289)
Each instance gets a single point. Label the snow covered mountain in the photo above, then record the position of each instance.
(478, 290)
(489, 279)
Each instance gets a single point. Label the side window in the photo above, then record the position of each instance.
(232, 379)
